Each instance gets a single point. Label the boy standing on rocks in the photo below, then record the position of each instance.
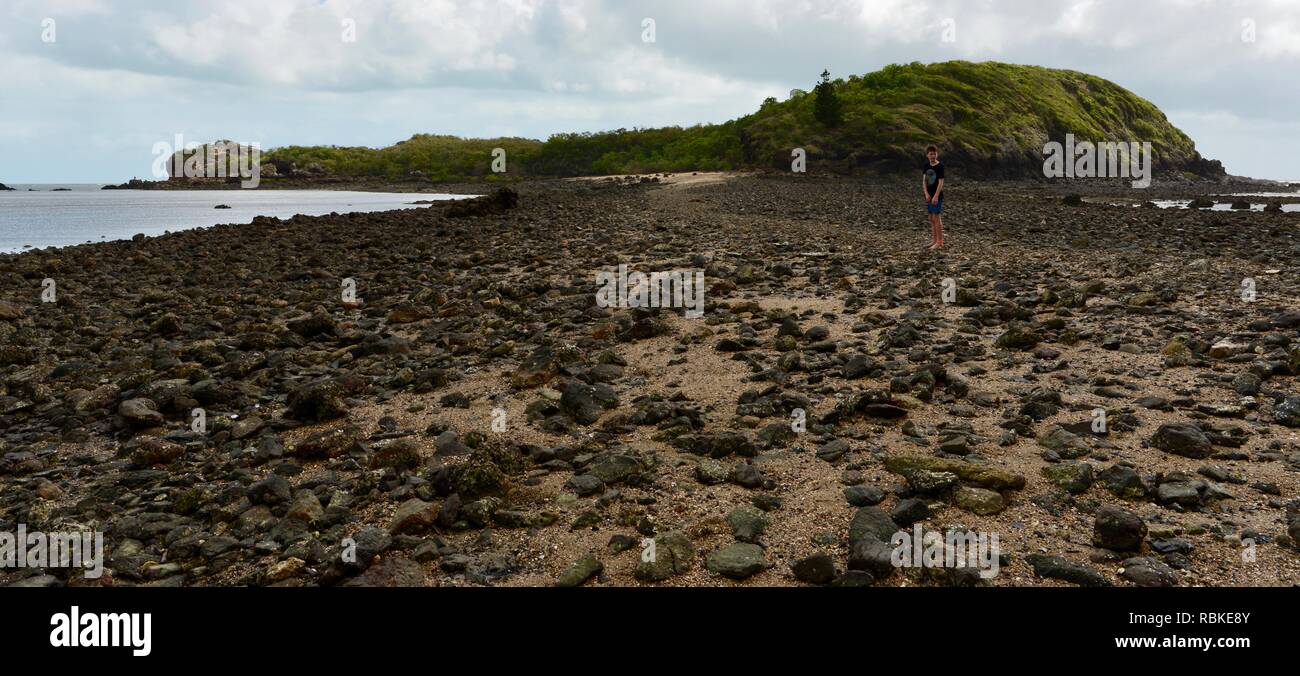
(932, 186)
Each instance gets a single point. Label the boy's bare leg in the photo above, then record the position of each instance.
(934, 232)
(938, 229)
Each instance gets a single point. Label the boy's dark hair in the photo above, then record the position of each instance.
(930, 148)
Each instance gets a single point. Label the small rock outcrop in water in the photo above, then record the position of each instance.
(136, 184)
(222, 206)
(500, 201)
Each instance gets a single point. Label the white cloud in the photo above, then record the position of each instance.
(1078, 19)
(1278, 39)
(280, 71)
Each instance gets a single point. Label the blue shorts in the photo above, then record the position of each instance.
(935, 208)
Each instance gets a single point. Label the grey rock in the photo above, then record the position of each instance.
(1057, 568)
(1182, 439)
(871, 523)
(747, 523)
(1118, 529)
(580, 571)
(1144, 571)
(672, 554)
(862, 496)
(816, 569)
(737, 561)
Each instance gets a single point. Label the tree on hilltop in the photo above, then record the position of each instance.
(826, 107)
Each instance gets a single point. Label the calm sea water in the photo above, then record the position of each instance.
(85, 213)
(1224, 202)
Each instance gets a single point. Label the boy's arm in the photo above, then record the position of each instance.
(924, 190)
(938, 190)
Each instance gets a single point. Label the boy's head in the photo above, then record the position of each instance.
(932, 153)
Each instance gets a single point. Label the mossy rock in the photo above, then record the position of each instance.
(1176, 348)
(981, 501)
(316, 402)
(1019, 337)
(737, 561)
(486, 470)
(1073, 477)
(580, 571)
(1144, 299)
(980, 475)
(189, 501)
(671, 554)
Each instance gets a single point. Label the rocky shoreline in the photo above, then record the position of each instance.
(1163, 186)
(434, 396)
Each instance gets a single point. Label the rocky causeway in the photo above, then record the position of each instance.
(435, 397)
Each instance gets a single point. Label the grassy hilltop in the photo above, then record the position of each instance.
(992, 119)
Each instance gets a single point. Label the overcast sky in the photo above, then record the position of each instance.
(84, 97)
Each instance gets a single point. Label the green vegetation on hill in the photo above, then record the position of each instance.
(438, 157)
(989, 118)
(698, 148)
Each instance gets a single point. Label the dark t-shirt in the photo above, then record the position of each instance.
(932, 175)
